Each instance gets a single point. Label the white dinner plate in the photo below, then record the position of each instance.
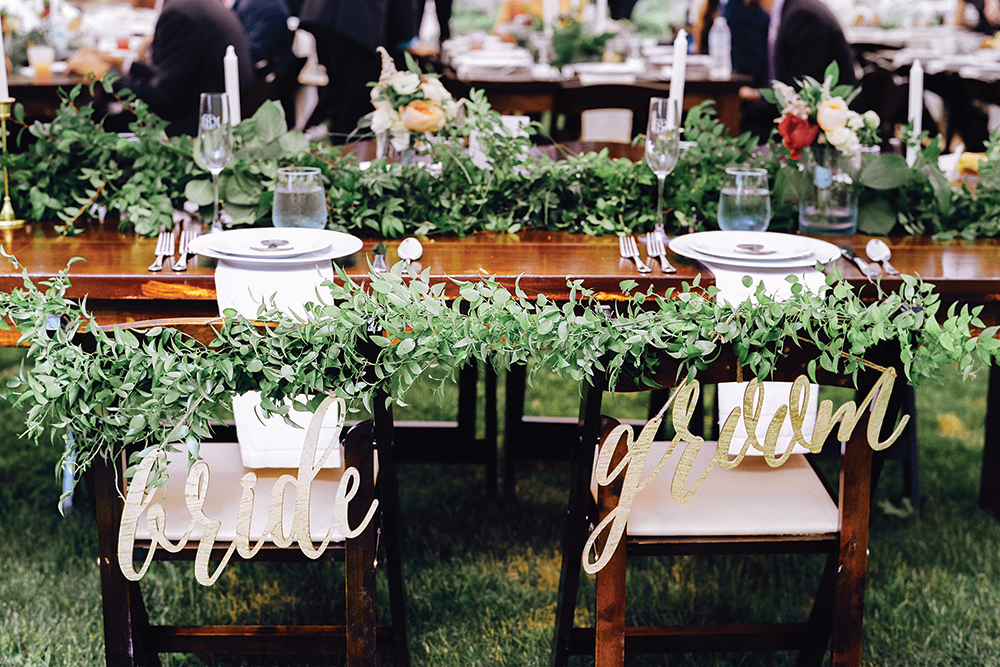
(819, 251)
(332, 245)
(267, 242)
(750, 246)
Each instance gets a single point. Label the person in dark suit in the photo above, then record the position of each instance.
(266, 25)
(803, 38)
(184, 61)
(347, 34)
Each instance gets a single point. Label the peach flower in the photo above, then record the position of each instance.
(423, 116)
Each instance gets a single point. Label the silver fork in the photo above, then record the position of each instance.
(655, 248)
(628, 248)
(187, 234)
(164, 250)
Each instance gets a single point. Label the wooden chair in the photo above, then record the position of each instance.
(732, 513)
(130, 639)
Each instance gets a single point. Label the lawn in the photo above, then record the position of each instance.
(481, 588)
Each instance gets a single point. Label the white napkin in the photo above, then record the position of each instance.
(271, 443)
(729, 280)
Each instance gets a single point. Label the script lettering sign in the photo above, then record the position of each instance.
(682, 404)
(138, 500)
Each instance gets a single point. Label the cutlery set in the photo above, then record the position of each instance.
(655, 248)
(877, 250)
(166, 243)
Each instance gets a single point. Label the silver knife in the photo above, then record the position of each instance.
(870, 272)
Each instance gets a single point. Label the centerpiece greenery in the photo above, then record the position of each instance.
(73, 164)
(155, 387)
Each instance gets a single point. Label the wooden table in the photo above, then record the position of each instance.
(40, 97)
(520, 95)
(119, 288)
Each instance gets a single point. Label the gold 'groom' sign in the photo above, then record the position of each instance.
(138, 500)
(684, 401)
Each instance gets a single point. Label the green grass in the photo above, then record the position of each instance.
(481, 589)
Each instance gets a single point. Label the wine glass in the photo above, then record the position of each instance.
(215, 141)
(663, 144)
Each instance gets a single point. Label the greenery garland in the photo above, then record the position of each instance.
(142, 389)
(73, 164)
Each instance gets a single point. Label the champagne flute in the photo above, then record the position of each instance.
(663, 144)
(215, 142)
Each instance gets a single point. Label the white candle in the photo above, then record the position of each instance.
(915, 110)
(4, 90)
(231, 65)
(678, 71)
(550, 14)
(600, 16)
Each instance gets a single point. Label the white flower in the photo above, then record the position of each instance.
(786, 93)
(855, 121)
(400, 139)
(871, 119)
(839, 136)
(832, 114)
(376, 92)
(797, 108)
(405, 83)
(383, 118)
(435, 91)
(453, 108)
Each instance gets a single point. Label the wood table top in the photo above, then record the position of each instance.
(115, 266)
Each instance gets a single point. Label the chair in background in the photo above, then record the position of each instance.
(130, 639)
(750, 509)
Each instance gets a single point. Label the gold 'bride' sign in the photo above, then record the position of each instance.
(138, 500)
(684, 401)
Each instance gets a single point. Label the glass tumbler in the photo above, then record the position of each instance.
(299, 199)
(745, 201)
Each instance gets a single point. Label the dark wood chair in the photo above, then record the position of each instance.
(734, 512)
(130, 638)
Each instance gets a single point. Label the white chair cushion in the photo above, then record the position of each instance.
(223, 498)
(752, 499)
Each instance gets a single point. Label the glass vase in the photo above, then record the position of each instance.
(831, 206)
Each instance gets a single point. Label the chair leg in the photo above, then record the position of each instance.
(820, 617)
(911, 468)
(125, 617)
(360, 554)
(491, 440)
(611, 611)
(389, 493)
(849, 588)
(989, 490)
(513, 412)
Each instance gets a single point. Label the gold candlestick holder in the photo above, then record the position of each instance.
(8, 220)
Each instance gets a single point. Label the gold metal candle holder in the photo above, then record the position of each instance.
(8, 220)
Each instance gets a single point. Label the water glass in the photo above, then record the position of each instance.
(745, 201)
(299, 199)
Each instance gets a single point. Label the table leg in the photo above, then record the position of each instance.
(989, 486)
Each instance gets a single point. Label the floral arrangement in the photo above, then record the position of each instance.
(409, 102)
(819, 113)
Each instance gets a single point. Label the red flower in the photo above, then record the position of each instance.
(797, 134)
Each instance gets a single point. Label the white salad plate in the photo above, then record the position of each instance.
(755, 249)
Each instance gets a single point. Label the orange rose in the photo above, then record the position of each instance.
(422, 116)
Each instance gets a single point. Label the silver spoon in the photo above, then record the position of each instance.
(878, 251)
(410, 250)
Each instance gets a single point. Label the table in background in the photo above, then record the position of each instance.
(40, 97)
(518, 95)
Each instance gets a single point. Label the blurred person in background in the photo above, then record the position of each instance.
(183, 61)
(980, 15)
(347, 33)
(748, 25)
(266, 25)
(803, 38)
